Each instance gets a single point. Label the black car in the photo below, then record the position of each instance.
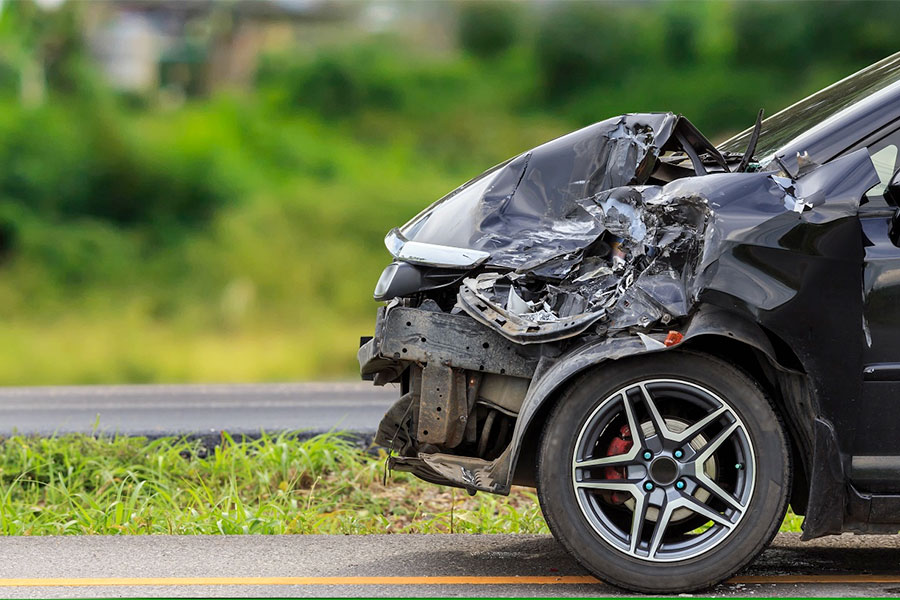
(671, 340)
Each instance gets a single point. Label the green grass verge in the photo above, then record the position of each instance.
(77, 484)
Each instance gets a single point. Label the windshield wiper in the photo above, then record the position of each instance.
(751, 145)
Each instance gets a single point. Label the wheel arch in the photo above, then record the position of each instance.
(747, 345)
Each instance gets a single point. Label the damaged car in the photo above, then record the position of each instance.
(671, 340)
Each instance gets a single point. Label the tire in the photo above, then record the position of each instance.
(713, 435)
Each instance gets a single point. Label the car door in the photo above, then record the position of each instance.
(875, 465)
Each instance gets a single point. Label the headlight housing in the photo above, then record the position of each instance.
(403, 279)
(432, 255)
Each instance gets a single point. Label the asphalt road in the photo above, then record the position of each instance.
(400, 565)
(171, 409)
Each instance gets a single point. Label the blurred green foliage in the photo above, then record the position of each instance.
(237, 236)
(488, 28)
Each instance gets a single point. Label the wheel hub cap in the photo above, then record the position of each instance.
(664, 471)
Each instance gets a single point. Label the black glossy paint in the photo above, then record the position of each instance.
(525, 211)
(877, 434)
(796, 266)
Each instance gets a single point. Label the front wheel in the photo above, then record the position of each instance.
(665, 473)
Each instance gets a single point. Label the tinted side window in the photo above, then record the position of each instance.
(885, 153)
(885, 161)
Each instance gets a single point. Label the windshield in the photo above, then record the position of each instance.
(790, 123)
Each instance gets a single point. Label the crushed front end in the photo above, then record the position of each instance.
(632, 235)
(461, 387)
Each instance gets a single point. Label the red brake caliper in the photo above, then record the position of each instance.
(619, 445)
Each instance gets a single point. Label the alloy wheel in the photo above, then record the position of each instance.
(663, 470)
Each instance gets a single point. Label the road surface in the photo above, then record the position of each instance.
(400, 565)
(196, 409)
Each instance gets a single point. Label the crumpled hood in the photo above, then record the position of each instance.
(525, 211)
(593, 229)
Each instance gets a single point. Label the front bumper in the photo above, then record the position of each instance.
(446, 356)
(371, 363)
(440, 359)
(405, 336)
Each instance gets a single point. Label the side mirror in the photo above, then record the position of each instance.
(892, 191)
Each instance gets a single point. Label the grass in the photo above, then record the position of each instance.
(77, 484)
(137, 349)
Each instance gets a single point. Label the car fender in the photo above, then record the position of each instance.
(707, 320)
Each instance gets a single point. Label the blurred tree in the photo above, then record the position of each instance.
(851, 32)
(488, 28)
(680, 36)
(775, 35)
(163, 215)
(21, 49)
(332, 86)
(46, 47)
(582, 45)
(792, 36)
(63, 48)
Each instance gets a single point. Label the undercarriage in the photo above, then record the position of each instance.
(462, 386)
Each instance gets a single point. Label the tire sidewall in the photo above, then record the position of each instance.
(761, 518)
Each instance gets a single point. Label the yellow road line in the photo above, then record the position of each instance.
(451, 580)
(147, 581)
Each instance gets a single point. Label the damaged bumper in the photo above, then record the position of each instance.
(458, 380)
(462, 385)
(411, 335)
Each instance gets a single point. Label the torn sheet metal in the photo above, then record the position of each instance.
(657, 248)
(525, 211)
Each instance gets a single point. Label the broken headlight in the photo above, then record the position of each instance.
(404, 279)
(434, 255)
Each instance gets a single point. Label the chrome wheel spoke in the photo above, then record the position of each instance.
(637, 521)
(659, 424)
(637, 434)
(662, 522)
(717, 491)
(705, 454)
(692, 431)
(702, 509)
(712, 445)
(690, 503)
(617, 460)
(615, 485)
